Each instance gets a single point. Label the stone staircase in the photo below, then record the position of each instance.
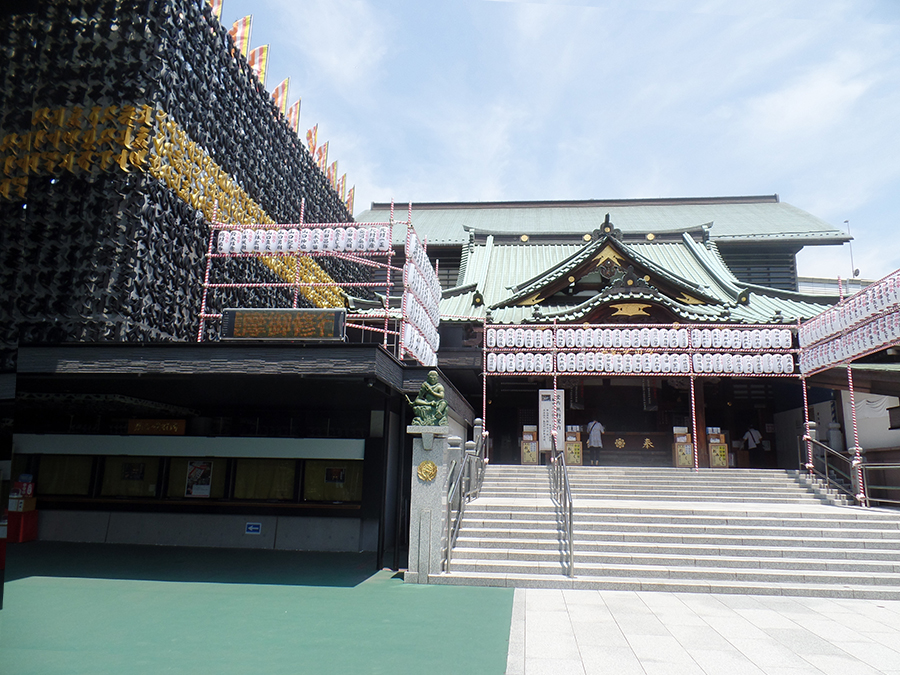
(642, 528)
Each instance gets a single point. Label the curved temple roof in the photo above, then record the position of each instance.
(730, 219)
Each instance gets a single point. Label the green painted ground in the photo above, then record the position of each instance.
(71, 609)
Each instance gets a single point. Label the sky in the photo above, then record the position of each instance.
(471, 100)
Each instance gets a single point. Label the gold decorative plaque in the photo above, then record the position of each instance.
(427, 471)
(620, 443)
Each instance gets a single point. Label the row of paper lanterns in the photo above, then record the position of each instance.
(423, 289)
(417, 345)
(870, 301)
(415, 313)
(305, 240)
(415, 252)
(882, 332)
(602, 362)
(656, 338)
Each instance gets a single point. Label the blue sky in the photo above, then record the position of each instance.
(503, 100)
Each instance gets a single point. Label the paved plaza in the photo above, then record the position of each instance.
(574, 632)
(104, 609)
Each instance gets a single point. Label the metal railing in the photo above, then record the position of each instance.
(850, 472)
(463, 487)
(874, 492)
(561, 492)
(835, 468)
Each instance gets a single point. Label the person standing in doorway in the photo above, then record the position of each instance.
(594, 441)
(753, 443)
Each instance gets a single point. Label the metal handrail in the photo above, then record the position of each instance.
(471, 470)
(827, 474)
(452, 530)
(876, 466)
(561, 492)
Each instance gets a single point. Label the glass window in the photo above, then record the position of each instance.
(64, 475)
(196, 478)
(264, 479)
(326, 480)
(129, 476)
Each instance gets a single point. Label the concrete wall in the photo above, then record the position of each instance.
(210, 530)
(872, 421)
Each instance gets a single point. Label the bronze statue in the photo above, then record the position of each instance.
(430, 407)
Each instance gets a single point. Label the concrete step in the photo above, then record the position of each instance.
(549, 554)
(524, 580)
(555, 565)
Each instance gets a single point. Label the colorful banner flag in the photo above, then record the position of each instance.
(240, 33)
(331, 174)
(342, 187)
(293, 117)
(349, 202)
(280, 94)
(312, 140)
(322, 157)
(258, 59)
(216, 8)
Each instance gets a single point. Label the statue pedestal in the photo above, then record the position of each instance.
(433, 454)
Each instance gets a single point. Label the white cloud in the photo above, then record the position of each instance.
(343, 39)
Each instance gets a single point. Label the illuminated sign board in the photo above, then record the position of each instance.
(284, 324)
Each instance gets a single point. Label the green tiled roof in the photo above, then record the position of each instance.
(495, 271)
(731, 219)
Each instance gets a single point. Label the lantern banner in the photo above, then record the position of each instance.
(258, 60)
(293, 116)
(312, 138)
(349, 202)
(216, 8)
(280, 95)
(240, 33)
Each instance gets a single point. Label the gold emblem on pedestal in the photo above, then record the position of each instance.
(427, 471)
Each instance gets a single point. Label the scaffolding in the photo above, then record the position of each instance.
(292, 251)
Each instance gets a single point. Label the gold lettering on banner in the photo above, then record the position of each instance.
(157, 427)
(647, 444)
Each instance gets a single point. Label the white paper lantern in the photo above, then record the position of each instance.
(787, 363)
(491, 362)
(560, 338)
(560, 363)
(590, 362)
(501, 338)
(647, 363)
(625, 338)
(538, 363)
(529, 362)
(306, 240)
(579, 338)
(570, 362)
(510, 337)
(580, 362)
(520, 362)
(548, 363)
(588, 338)
(547, 338)
(491, 337)
(607, 340)
(570, 338)
(519, 338)
(529, 339)
(706, 338)
(654, 338)
(727, 365)
(644, 337)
